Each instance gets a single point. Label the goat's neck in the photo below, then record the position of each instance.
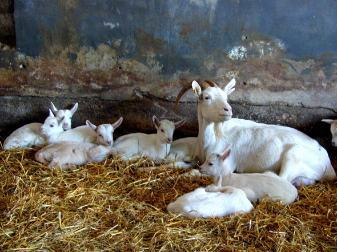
(53, 138)
(206, 136)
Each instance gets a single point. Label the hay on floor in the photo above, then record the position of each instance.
(112, 206)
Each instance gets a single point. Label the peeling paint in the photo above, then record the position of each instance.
(104, 58)
(238, 53)
(111, 25)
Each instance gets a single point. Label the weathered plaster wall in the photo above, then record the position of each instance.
(134, 56)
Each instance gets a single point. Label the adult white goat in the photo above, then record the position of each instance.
(155, 146)
(255, 185)
(256, 147)
(64, 115)
(68, 154)
(200, 203)
(333, 130)
(30, 134)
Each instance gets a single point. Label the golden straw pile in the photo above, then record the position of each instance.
(115, 206)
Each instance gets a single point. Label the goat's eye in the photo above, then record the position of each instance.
(207, 98)
(210, 164)
(51, 125)
(162, 130)
(100, 135)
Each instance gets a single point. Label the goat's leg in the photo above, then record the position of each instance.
(301, 165)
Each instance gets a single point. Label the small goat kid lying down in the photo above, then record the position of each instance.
(255, 185)
(200, 203)
(30, 134)
(68, 154)
(155, 146)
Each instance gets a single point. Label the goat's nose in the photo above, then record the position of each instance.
(109, 142)
(169, 139)
(226, 109)
(334, 144)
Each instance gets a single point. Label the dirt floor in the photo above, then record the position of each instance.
(115, 206)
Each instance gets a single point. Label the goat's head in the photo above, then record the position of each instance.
(217, 164)
(212, 100)
(64, 115)
(333, 130)
(105, 131)
(165, 129)
(52, 125)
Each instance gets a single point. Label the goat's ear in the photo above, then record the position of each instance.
(196, 88)
(329, 121)
(117, 123)
(91, 125)
(74, 108)
(51, 114)
(156, 121)
(179, 123)
(53, 108)
(225, 154)
(229, 88)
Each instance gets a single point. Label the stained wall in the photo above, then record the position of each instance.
(131, 58)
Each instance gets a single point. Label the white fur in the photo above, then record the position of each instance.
(24, 137)
(155, 146)
(53, 131)
(64, 115)
(200, 203)
(30, 134)
(69, 154)
(255, 185)
(333, 130)
(257, 147)
(183, 149)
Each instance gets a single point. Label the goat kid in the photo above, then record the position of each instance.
(155, 146)
(69, 154)
(52, 130)
(202, 204)
(30, 134)
(64, 115)
(255, 185)
(183, 149)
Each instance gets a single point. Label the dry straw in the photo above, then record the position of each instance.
(114, 206)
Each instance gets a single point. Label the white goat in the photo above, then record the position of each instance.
(333, 130)
(30, 134)
(200, 203)
(255, 185)
(68, 154)
(53, 131)
(155, 146)
(64, 115)
(256, 147)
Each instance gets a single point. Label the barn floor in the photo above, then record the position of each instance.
(114, 206)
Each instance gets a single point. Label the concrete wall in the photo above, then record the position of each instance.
(134, 56)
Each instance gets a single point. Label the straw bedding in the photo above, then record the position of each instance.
(115, 206)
